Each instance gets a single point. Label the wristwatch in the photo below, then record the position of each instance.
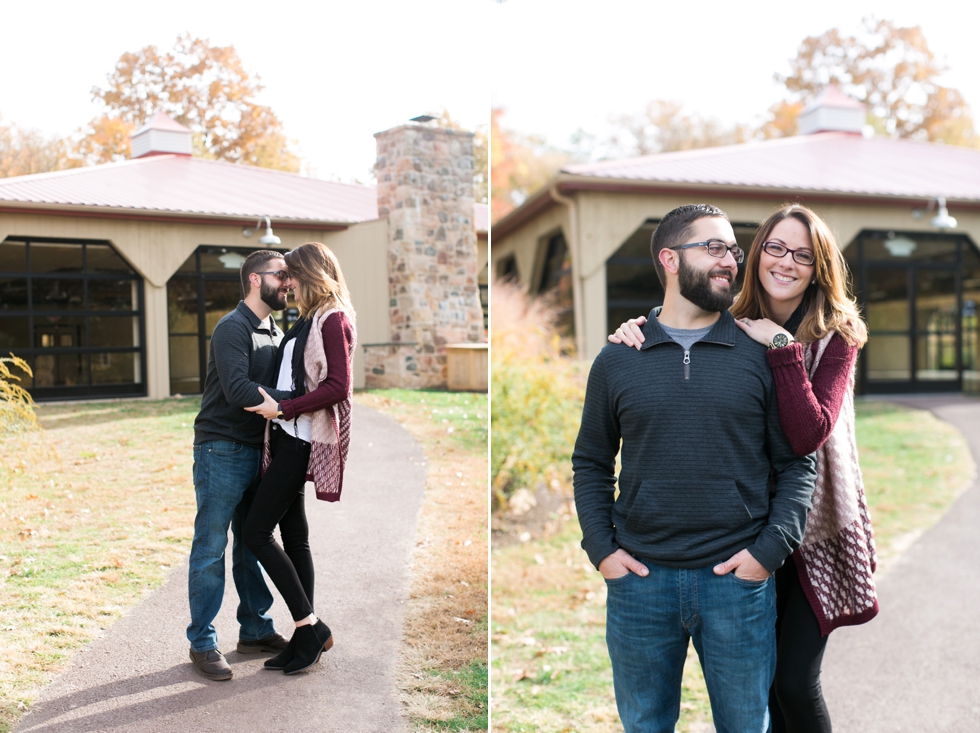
(780, 340)
(279, 413)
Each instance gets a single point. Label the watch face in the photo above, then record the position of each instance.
(780, 340)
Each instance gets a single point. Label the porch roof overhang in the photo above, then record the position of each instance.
(825, 167)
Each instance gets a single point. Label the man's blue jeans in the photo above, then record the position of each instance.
(732, 623)
(223, 473)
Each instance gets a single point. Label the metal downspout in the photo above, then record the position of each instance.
(576, 251)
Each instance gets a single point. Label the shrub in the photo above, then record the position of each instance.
(23, 442)
(16, 404)
(536, 394)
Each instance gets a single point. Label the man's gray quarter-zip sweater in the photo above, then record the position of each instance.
(241, 359)
(700, 437)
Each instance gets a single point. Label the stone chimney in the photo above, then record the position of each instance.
(161, 136)
(425, 189)
(832, 111)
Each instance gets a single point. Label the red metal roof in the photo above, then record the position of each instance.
(174, 186)
(162, 121)
(832, 162)
(178, 184)
(831, 96)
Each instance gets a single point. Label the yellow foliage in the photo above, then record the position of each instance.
(536, 394)
(204, 87)
(16, 403)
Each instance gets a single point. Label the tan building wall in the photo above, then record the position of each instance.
(157, 249)
(363, 253)
(525, 244)
(604, 221)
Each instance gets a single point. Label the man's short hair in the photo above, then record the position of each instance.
(675, 228)
(255, 262)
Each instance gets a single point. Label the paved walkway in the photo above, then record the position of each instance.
(916, 667)
(137, 677)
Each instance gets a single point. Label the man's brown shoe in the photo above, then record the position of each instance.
(211, 664)
(270, 645)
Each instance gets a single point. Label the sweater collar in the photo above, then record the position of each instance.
(254, 319)
(723, 332)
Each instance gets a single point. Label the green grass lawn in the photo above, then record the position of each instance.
(550, 669)
(96, 512)
(93, 514)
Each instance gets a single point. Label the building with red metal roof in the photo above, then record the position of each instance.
(112, 277)
(586, 235)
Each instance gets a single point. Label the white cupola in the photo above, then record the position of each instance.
(161, 136)
(832, 111)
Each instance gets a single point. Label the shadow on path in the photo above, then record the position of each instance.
(138, 677)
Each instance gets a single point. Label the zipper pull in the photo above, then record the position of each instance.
(687, 364)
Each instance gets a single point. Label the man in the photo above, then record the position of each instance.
(227, 455)
(688, 546)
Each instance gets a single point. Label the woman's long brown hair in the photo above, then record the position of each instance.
(320, 283)
(831, 305)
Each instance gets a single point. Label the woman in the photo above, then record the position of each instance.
(795, 301)
(307, 439)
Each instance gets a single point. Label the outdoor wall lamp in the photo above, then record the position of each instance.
(268, 237)
(942, 219)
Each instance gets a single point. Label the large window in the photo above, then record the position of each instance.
(555, 283)
(919, 291)
(204, 289)
(73, 309)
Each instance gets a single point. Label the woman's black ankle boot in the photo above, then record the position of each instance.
(284, 657)
(311, 642)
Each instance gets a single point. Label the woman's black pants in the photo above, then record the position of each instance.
(796, 702)
(279, 499)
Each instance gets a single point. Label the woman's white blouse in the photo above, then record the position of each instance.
(301, 428)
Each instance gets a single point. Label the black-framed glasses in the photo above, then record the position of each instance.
(281, 274)
(803, 256)
(717, 248)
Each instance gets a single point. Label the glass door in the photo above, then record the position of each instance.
(936, 360)
(919, 293)
(887, 357)
(201, 292)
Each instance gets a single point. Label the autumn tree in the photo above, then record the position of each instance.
(889, 68)
(520, 165)
(104, 140)
(204, 87)
(664, 126)
(24, 151)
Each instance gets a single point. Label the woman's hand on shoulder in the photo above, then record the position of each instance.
(761, 329)
(630, 333)
(267, 408)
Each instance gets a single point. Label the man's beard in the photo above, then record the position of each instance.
(696, 286)
(271, 296)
